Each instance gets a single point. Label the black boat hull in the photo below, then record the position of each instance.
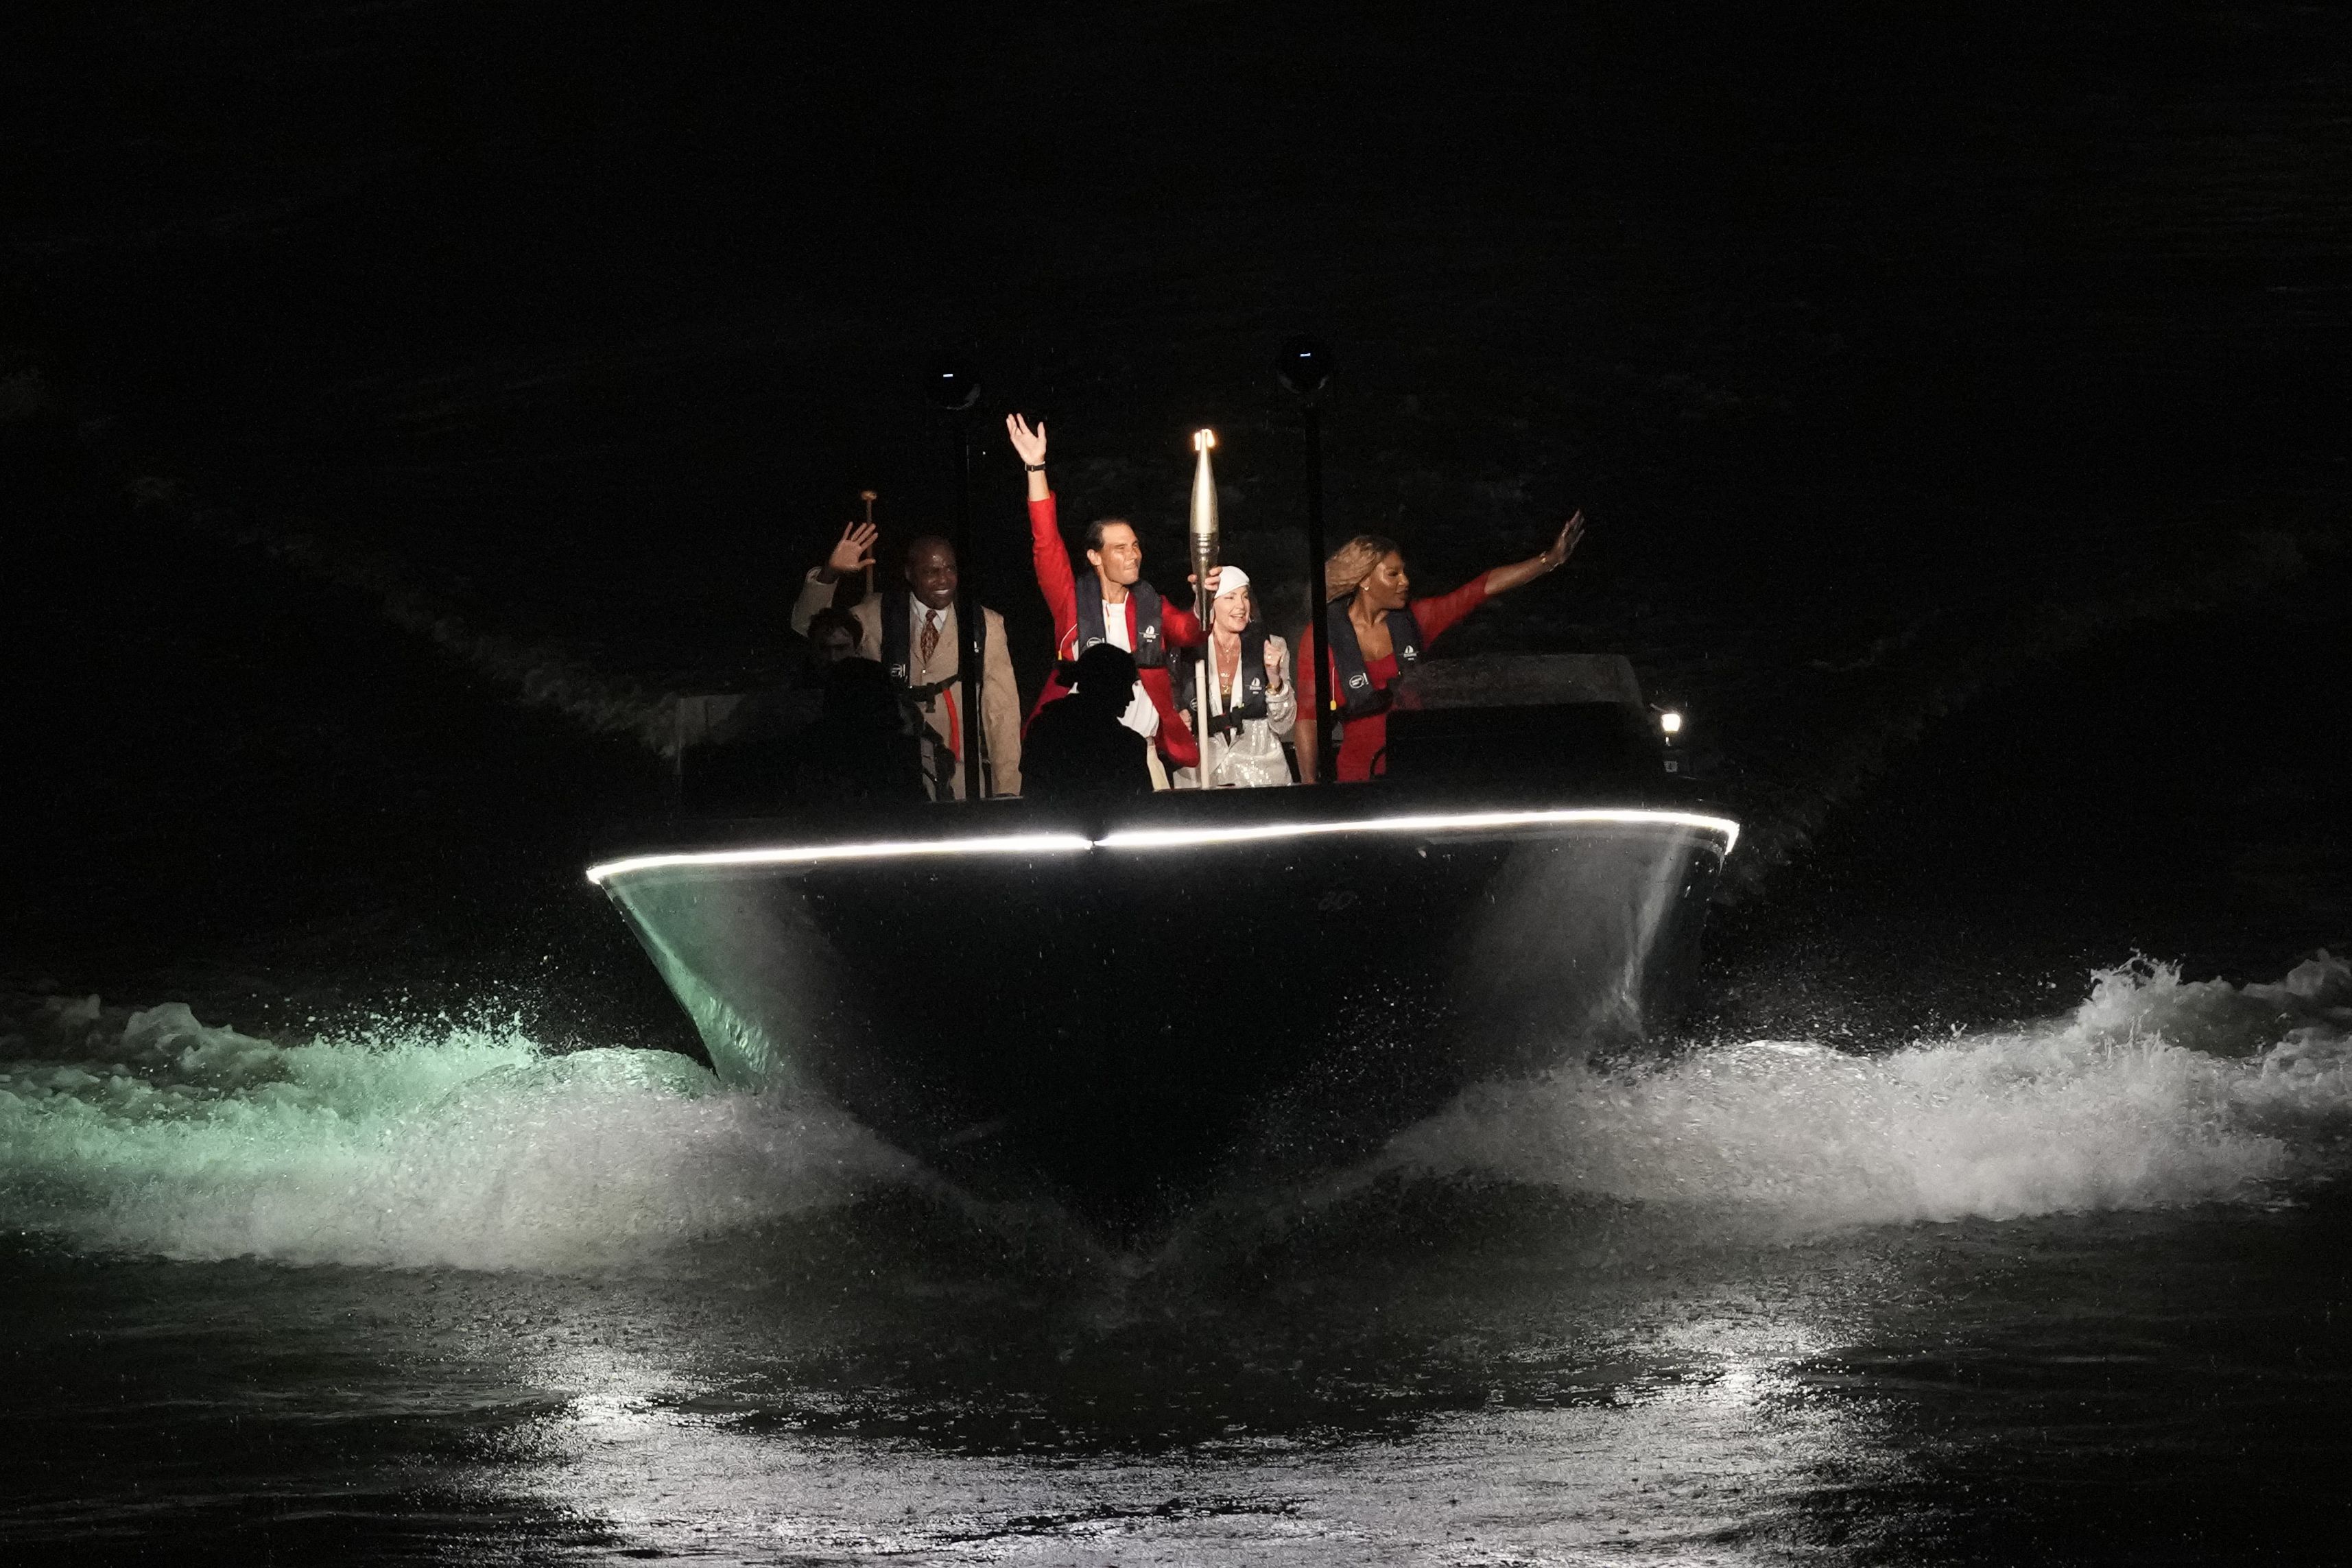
(1118, 1017)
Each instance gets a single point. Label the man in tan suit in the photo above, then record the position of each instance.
(913, 632)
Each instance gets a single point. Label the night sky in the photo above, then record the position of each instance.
(1890, 352)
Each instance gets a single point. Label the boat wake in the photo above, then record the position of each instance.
(413, 1145)
(2154, 1091)
(471, 1146)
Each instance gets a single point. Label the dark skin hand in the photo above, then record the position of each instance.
(853, 554)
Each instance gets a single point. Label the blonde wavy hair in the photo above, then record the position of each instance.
(1352, 563)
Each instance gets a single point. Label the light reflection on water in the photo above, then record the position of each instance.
(1431, 1375)
(1698, 1435)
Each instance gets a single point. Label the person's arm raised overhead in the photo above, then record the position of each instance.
(1503, 579)
(1046, 551)
(852, 553)
(1029, 442)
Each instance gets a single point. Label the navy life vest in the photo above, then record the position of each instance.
(1357, 698)
(1149, 653)
(898, 645)
(1250, 680)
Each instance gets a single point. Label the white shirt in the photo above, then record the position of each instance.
(1142, 714)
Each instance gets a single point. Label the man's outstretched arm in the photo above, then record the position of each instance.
(1050, 556)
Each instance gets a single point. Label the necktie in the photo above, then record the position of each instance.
(930, 643)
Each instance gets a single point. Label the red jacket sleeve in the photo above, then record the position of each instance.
(1175, 737)
(1052, 558)
(1178, 628)
(1435, 615)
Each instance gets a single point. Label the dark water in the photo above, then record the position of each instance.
(398, 403)
(1464, 1377)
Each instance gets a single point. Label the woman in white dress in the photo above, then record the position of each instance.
(1252, 705)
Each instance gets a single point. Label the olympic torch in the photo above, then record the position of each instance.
(1205, 561)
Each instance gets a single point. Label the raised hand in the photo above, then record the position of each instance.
(853, 554)
(1571, 532)
(1216, 575)
(1027, 441)
(1503, 579)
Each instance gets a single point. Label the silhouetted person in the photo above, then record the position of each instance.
(1077, 748)
(865, 746)
(784, 712)
(835, 634)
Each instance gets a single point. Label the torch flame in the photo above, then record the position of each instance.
(1203, 439)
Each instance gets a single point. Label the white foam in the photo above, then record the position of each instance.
(2154, 1091)
(474, 1147)
(441, 1144)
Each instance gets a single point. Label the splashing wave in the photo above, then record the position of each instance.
(471, 1146)
(2154, 1091)
(410, 1146)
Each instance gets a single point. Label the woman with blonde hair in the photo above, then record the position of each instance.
(1376, 632)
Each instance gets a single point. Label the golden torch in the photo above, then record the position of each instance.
(1205, 561)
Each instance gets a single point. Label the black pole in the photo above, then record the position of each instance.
(968, 610)
(1317, 634)
(954, 392)
(1305, 369)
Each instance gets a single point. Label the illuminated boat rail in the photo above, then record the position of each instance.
(1168, 837)
(815, 853)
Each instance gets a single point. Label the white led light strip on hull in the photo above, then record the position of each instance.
(1168, 838)
(1424, 822)
(811, 854)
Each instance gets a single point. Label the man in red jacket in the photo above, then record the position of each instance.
(1110, 602)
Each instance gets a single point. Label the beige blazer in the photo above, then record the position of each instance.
(1000, 695)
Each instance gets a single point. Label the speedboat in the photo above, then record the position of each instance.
(1122, 1011)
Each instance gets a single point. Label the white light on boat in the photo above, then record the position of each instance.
(1671, 722)
(1168, 838)
(1426, 822)
(811, 854)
